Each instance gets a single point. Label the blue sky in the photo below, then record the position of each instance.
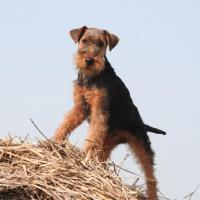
(157, 57)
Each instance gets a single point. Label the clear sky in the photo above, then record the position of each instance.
(158, 57)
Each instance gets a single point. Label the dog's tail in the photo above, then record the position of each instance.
(154, 130)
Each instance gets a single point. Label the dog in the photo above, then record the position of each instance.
(102, 98)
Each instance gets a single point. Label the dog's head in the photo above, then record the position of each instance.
(92, 46)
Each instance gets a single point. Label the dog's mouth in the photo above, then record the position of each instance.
(89, 65)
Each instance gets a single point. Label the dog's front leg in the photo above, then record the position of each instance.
(98, 130)
(72, 118)
(94, 145)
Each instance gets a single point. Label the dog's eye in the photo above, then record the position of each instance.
(84, 41)
(100, 43)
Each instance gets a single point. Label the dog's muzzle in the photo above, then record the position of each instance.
(89, 61)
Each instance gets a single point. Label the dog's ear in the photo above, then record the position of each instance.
(77, 33)
(111, 39)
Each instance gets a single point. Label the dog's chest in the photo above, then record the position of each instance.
(93, 99)
(94, 96)
(88, 95)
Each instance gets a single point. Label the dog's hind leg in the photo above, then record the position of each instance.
(145, 155)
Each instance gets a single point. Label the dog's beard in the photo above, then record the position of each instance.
(89, 70)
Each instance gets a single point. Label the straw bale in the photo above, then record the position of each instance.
(49, 171)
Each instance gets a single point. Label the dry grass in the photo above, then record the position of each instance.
(48, 170)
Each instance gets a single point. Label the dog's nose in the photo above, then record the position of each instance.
(89, 61)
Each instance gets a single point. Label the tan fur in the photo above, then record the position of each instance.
(80, 64)
(73, 118)
(98, 124)
(145, 160)
(95, 50)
